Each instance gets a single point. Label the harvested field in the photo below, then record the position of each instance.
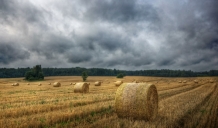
(187, 104)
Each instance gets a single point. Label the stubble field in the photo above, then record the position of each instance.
(187, 104)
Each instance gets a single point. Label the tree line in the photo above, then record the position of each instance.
(76, 71)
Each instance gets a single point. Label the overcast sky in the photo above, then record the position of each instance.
(121, 34)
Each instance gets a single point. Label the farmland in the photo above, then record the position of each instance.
(185, 104)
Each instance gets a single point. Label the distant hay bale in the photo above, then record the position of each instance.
(15, 84)
(49, 83)
(118, 83)
(196, 81)
(136, 101)
(81, 88)
(28, 84)
(57, 84)
(180, 81)
(184, 81)
(88, 83)
(39, 84)
(70, 83)
(211, 81)
(97, 83)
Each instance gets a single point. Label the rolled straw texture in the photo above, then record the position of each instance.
(16, 84)
(136, 101)
(118, 83)
(81, 88)
(97, 83)
(57, 84)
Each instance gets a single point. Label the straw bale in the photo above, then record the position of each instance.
(97, 83)
(49, 83)
(184, 81)
(57, 84)
(118, 83)
(15, 84)
(136, 101)
(81, 88)
(39, 84)
(211, 81)
(196, 81)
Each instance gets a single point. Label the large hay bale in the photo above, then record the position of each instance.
(28, 84)
(118, 83)
(39, 84)
(81, 88)
(57, 84)
(97, 83)
(211, 81)
(136, 101)
(15, 84)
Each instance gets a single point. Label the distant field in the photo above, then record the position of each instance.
(187, 104)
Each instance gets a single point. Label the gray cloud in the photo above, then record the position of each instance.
(119, 11)
(125, 34)
(10, 53)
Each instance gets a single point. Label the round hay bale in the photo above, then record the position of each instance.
(57, 84)
(97, 83)
(196, 81)
(49, 83)
(211, 81)
(81, 88)
(180, 81)
(118, 83)
(15, 84)
(184, 81)
(70, 83)
(39, 84)
(28, 84)
(136, 101)
(88, 83)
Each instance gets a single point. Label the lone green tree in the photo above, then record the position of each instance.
(35, 73)
(84, 75)
(120, 75)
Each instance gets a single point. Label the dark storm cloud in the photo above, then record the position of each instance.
(9, 53)
(11, 10)
(51, 45)
(119, 11)
(126, 34)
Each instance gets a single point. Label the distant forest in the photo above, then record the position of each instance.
(77, 71)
